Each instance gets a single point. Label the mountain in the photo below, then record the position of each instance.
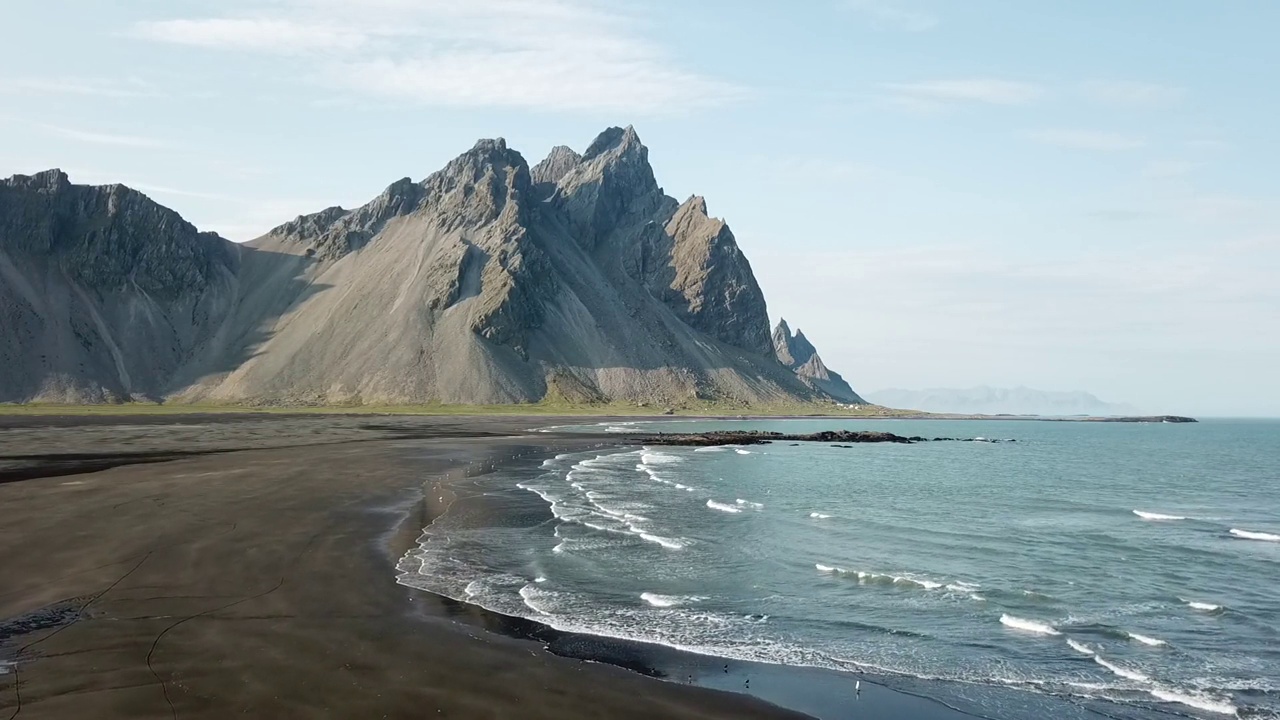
(489, 281)
(798, 354)
(994, 401)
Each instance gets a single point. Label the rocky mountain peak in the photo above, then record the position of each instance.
(796, 352)
(52, 180)
(556, 165)
(612, 181)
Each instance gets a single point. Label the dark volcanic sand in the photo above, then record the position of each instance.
(196, 578)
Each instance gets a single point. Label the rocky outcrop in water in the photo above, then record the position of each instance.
(486, 282)
(761, 437)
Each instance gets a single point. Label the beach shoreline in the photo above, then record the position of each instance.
(260, 582)
(255, 573)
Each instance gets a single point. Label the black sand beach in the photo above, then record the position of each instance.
(209, 566)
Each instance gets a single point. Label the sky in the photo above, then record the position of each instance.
(1069, 195)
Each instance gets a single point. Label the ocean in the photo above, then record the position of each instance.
(1132, 570)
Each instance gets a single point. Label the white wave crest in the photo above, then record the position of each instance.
(740, 451)
(659, 458)
(667, 543)
(666, 601)
(819, 516)
(1146, 640)
(1207, 607)
(826, 568)
(711, 448)
(1031, 626)
(1157, 516)
(1080, 647)
(1122, 672)
(723, 507)
(1200, 702)
(1250, 535)
(535, 599)
(752, 505)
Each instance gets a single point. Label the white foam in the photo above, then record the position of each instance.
(752, 505)
(1031, 626)
(666, 601)
(722, 507)
(1122, 672)
(1200, 702)
(740, 451)
(534, 599)
(1157, 516)
(826, 568)
(1249, 535)
(659, 458)
(667, 543)
(540, 579)
(711, 448)
(1080, 647)
(819, 516)
(1207, 607)
(1146, 640)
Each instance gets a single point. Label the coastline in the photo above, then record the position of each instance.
(256, 574)
(816, 692)
(258, 582)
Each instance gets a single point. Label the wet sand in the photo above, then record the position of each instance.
(243, 565)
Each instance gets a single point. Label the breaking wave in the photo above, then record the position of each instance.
(1157, 516)
(819, 516)
(1200, 702)
(1121, 671)
(1250, 535)
(1146, 640)
(666, 601)
(723, 507)
(749, 504)
(1080, 647)
(1030, 626)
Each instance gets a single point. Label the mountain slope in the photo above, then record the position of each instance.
(487, 282)
(993, 401)
(798, 354)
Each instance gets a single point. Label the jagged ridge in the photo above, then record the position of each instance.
(488, 281)
(798, 354)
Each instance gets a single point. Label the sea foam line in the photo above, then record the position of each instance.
(666, 601)
(723, 507)
(1200, 702)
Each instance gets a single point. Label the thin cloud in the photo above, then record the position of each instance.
(256, 34)
(101, 138)
(992, 91)
(1167, 169)
(89, 87)
(1087, 140)
(554, 55)
(1129, 94)
(890, 15)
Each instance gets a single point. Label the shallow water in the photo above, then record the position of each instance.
(1135, 564)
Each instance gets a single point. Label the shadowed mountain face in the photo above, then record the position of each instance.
(487, 282)
(798, 354)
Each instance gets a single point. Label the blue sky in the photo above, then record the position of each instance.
(1066, 195)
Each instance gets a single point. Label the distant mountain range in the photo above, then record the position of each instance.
(490, 281)
(994, 401)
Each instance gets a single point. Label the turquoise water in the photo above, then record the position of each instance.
(1135, 564)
